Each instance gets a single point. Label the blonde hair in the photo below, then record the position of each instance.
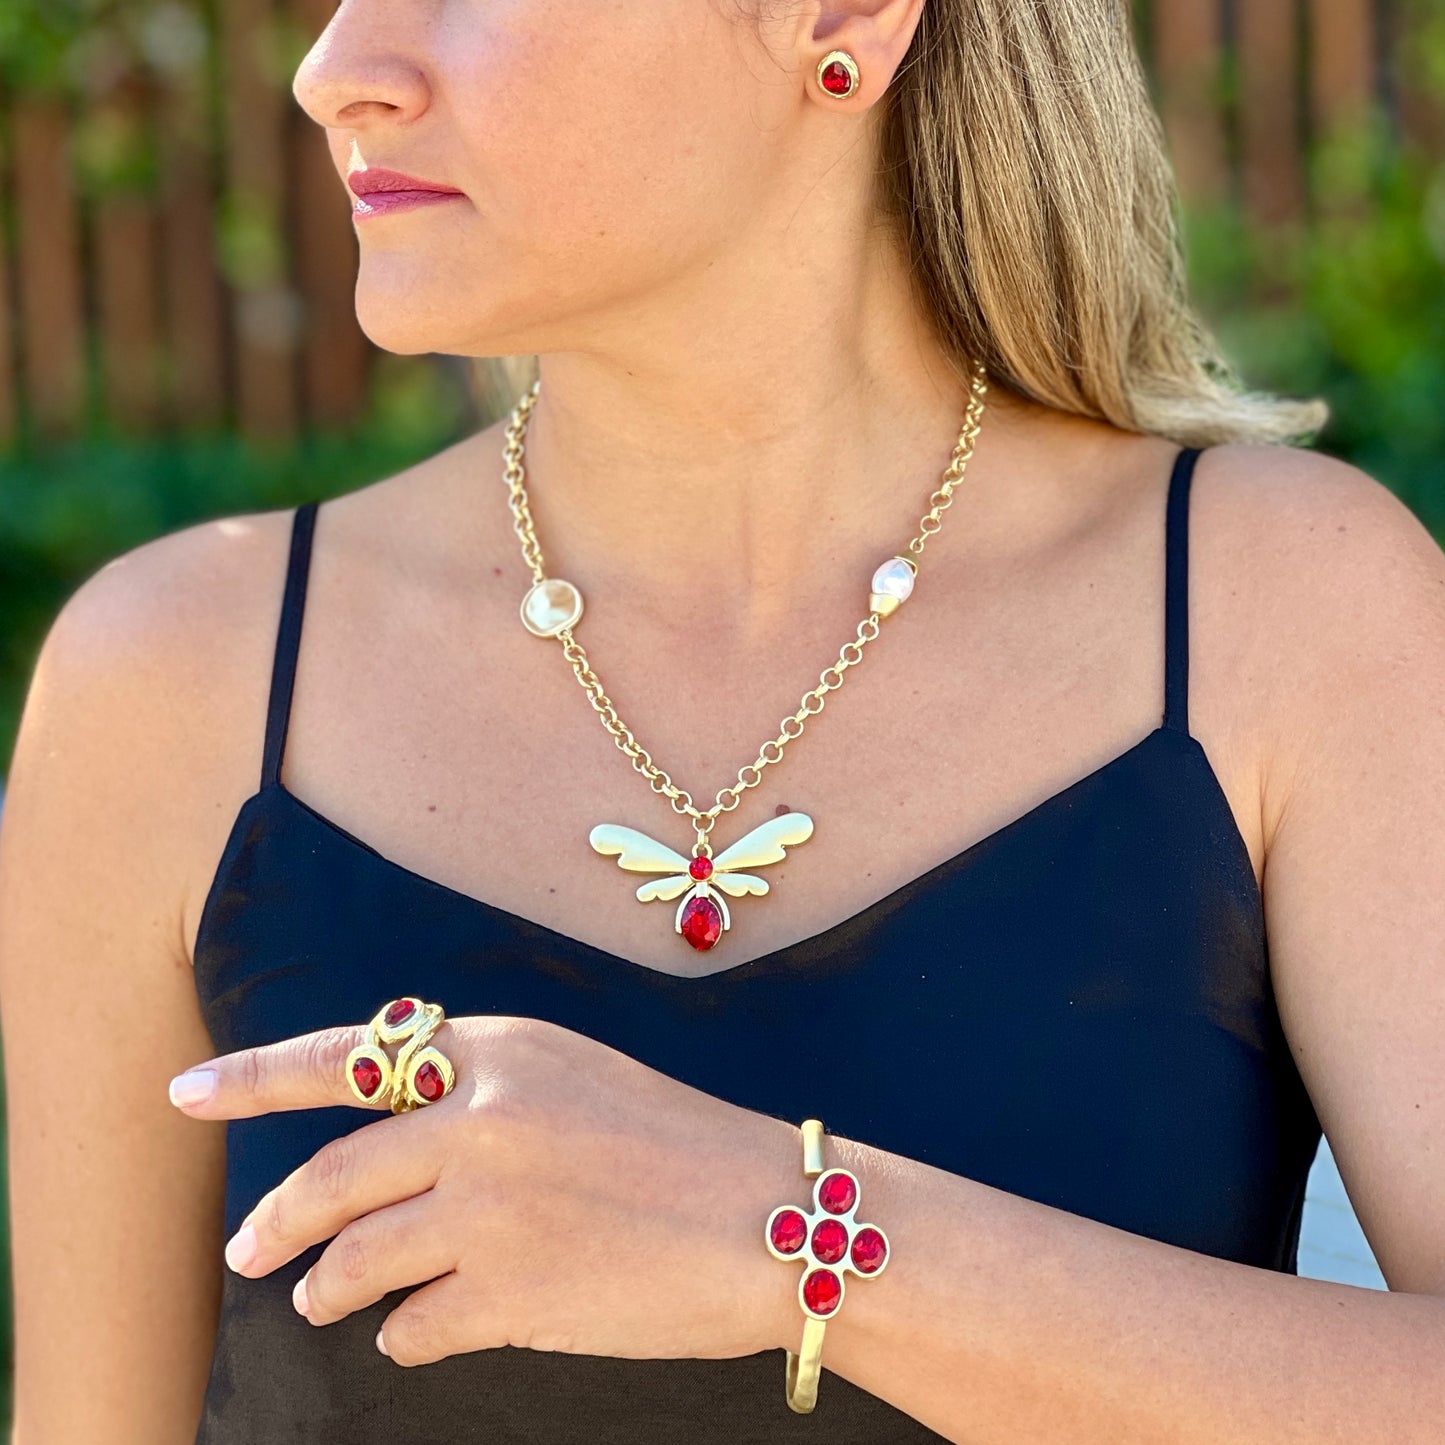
(1026, 167)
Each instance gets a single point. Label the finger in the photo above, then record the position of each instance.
(347, 1178)
(308, 1071)
(402, 1244)
(442, 1318)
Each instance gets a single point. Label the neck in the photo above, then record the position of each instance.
(724, 463)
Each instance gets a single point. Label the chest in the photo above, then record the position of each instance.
(906, 762)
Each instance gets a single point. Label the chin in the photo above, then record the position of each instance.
(404, 323)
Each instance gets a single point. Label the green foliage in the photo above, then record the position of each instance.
(1349, 305)
(85, 46)
(44, 42)
(112, 151)
(251, 245)
(35, 38)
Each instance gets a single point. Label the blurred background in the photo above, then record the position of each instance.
(177, 263)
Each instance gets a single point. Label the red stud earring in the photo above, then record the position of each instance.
(838, 74)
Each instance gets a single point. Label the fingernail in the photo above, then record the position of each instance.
(298, 1295)
(241, 1249)
(195, 1086)
(381, 1345)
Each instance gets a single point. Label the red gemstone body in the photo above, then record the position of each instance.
(869, 1249)
(701, 922)
(367, 1073)
(397, 1012)
(830, 1240)
(789, 1231)
(836, 79)
(822, 1290)
(836, 1193)
(429, 1082)
(700, 867)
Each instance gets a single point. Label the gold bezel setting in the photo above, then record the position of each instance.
(398, 1082)
(543, 597)
(379, 1057)
(409, 1065)
(840, 57)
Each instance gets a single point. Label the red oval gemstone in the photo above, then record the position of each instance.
(821, 1291)
(700, 867)
(836, 79)
(869, 1249)
(701, 922)
(367, 1073)
(789, 1231)
(429, 1082)
(836, 1193)
(397, 1012)
(830, 1240)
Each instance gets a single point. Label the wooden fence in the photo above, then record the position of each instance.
(180, 250)
(176, 250)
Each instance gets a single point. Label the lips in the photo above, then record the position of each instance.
(373, 182)
(381, 192)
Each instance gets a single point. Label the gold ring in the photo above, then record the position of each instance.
(421, 1074)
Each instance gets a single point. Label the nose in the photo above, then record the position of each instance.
(356, 75)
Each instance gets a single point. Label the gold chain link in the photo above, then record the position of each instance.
(829, 679)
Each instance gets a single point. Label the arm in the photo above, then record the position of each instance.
(116, 1203)
(1004, 1320)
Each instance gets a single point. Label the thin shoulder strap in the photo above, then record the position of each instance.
(288, 641)
(1176, 593)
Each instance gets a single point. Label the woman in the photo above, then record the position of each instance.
(1011, 950)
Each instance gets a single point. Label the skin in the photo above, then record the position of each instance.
(681, 232)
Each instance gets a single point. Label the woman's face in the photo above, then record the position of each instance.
(607, 150)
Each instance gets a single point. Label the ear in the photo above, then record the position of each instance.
(875, 34)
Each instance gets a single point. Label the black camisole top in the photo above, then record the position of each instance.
(1076, 1008)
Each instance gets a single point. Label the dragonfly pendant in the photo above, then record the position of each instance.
(702, 915)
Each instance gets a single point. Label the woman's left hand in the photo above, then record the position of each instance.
(562, 1196)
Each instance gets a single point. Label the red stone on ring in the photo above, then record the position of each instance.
(830, 1240)
(822, 1290)
(397, 1012)
(788, 1232)
(429, 1082)
(836, 80)
(836, 1193)
(869, 1249)
(367, 1073)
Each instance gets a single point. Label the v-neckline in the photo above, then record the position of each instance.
(748, 967)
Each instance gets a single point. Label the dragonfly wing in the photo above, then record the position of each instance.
(664, 887)
(737, 885)
(765, 844)
(639, 853)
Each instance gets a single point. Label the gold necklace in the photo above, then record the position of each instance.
(552, 607)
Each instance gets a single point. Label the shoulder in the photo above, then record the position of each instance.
(1317, 541)
(150, 630)
(1339, 590)
(142, 692)
(1317, 505)
(143, 651)
(179, 630)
